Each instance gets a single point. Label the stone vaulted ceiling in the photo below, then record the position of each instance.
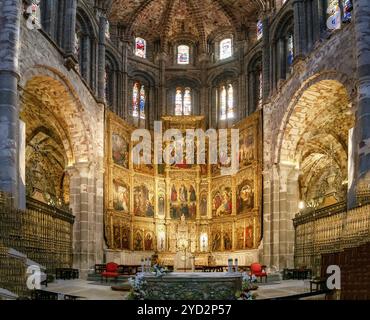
(155, 19)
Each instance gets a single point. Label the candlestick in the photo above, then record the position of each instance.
(230, 266)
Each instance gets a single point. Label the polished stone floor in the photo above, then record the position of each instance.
(89, 290)
(285, 288)
(86, 290)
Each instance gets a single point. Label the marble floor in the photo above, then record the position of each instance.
(285, 288)
(87, 290)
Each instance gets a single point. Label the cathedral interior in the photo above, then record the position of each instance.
(79, 77)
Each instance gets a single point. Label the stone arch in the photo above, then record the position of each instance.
(336, 77)
(313, 143)
(61, 107)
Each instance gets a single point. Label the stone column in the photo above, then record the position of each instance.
(69, 27)
(10, 13)
(362, 34)
(266, 59)
(87, 205)
(101, 58)
(162, 83)
(299, 28)
(125, 89)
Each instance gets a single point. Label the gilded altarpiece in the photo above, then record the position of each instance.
(182, 208)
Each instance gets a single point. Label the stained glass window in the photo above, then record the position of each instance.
(225, 101)
(183, 103)
(183, 54)
(187, 102)
(230, 102)
(142, 102)
(290, 50)
(260, 89)
(135, 100)
(259, 29)
(140, 48)
(223, 105)
(225, 49)
(178, 102)
(333, 15)
(347, 11)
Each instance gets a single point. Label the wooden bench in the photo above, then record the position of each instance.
(320, 284)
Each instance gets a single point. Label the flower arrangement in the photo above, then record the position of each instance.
(137, 287)
(248, 285)
(159, 270)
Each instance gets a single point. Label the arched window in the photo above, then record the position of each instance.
(290, 50)
(338, 12)
(140, 48)
(225, 48)
(283, 49)
(84, 49)
(254, 84)
(225, 101)
(183, 54)
(183, 101)
(138, 100)
(259, 29)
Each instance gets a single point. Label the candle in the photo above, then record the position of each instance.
(230, 266)
(142, 265)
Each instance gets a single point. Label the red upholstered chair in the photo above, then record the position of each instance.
(111, 271)
(259, 271)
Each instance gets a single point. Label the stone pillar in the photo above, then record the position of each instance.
(101, 58)
(125, 89)
(69, 27)
(10, 13)
(162, 84)
(266, 59)
(299, 28)
(87, 205)
(362, 34)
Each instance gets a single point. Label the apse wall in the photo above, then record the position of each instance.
(164, 209)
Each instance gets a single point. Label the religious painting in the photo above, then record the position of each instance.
(179, 161)
(143, 167)
(120, 151)
(249, 237)
(203, 204)
(161, 245)
(224, 160)
(116, 236)
(143, 202)
(245, 197)
(121, 197)
(125, 238)
(138, 241)
(216, 241)
(161, 204)
(227, 242)
(222, 202)
(183, 201)
(149, 242)
(240, 244)
(246, 148)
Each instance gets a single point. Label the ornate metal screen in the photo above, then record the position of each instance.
(42, 233)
